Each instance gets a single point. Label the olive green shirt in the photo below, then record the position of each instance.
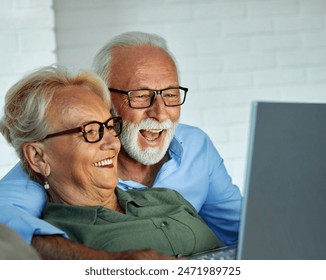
(158, 219)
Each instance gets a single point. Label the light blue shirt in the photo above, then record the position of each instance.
(195, 169)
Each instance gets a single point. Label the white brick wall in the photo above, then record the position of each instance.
(229, 53)
(27, 41)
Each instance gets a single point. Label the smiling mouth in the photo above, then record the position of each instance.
(151, 134)
(104, 162)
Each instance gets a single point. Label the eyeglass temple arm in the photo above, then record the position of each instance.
(118, 90)
(69, 131)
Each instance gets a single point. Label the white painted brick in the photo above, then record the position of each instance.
(247, 26)
(297, 58)
(204, 10)
(26, 19)
(64, 5)
(225, 80)
(315, 6)
(299, 23)
(270, 8)
(149, 13)
(236, 97)
(7, 81)
(43, 3)
(193, 29)
(8, 157)
(37, 40)
(304, 93)
(250, 61)
(8, 42)
(316, 74)
(232, 150)
(97, 37)
(85, 36)
(277, 77)
(240, 132)
(276, 42)
(184, 2)
(217, 133)
(213, 98)
(7, 151)
(22, 4)
(6, 5)
(21, 63)
(314, 40)
(196, 65)
(67, 19)
(226, 115)
(188, 76)
(179, 49)
(223, 45)
(190, 81)
(156, 28)
(195, 99)
(77, 58)
(191, 116)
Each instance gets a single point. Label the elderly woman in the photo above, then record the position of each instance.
(66, 138)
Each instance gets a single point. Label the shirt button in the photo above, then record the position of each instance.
(164, 224)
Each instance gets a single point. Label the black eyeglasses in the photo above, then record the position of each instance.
(94, 131)
(145, 98)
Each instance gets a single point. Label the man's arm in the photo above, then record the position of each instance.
(222, 208)
(55, 247)
(13, 247)
(21, 204)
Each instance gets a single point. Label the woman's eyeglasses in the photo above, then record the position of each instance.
(93, 131)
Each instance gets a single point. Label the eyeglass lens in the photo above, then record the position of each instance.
(94, 131)
(145, 98)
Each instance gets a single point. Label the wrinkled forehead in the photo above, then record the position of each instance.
(133, 61)
(72, 96)
(74, 105)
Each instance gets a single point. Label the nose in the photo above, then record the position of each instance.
(110, 142)
(158, 110)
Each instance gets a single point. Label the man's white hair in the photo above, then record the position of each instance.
(102, 60)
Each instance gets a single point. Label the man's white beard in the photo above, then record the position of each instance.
(150, 155)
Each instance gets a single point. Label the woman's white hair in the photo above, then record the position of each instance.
(26, 104)
(102, 60)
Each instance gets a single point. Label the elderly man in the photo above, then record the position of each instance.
(156, 150)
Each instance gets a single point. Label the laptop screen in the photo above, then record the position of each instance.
(284, 214)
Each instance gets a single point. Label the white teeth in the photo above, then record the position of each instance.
(154, 130)
(104, 162)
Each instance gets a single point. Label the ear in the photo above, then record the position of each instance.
(36, 158)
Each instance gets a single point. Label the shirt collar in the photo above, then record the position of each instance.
(176, 150)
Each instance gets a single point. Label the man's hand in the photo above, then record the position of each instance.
(55, 247)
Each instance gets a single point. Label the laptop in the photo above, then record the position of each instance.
(284, 209)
